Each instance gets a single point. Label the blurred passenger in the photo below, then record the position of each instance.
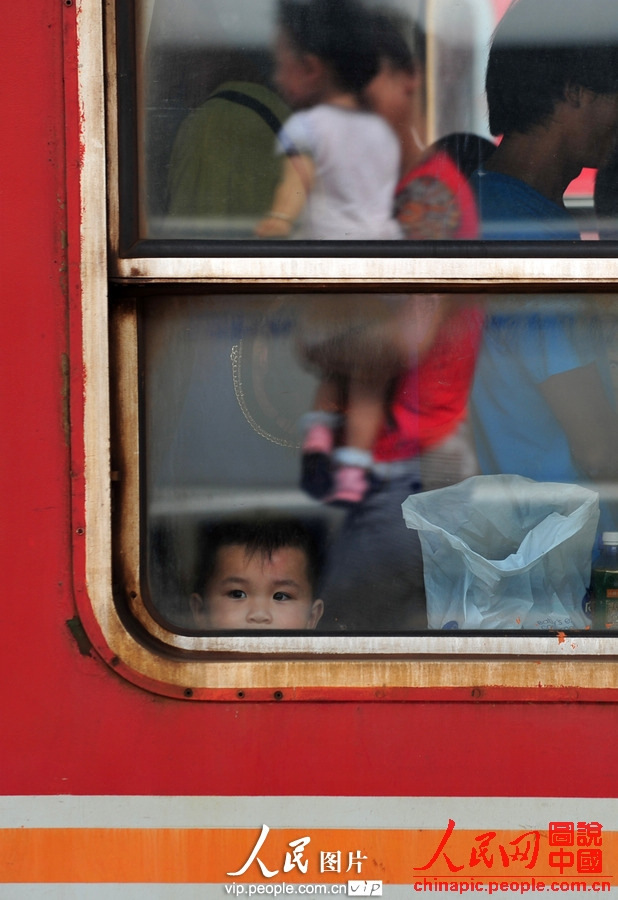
(222, 170)
(606, 209)
(433, 199)
(552, 92)
(258, 575)
(606, 199)
(542, 398)
(374, 574)
(340, 172)
(341, 161)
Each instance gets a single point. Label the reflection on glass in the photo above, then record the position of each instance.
(552, 93)
(284, 433)
(299, 120)
(259, 573)
(606, 198)
(327, 119)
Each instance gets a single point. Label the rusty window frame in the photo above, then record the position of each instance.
(202, 668)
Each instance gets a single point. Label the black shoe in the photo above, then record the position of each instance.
(316, 475)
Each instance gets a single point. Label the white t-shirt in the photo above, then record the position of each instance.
(356, 157)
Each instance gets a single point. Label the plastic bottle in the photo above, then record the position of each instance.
(604, 586)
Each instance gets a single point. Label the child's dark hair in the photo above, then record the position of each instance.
(539, 50)
(338, 32)
(468, 151)
(261, 536)
(399, 40)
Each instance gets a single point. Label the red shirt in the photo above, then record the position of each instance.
(433, 202)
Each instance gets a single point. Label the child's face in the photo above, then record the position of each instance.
(390, 94)
(258, 592)
(297, 75)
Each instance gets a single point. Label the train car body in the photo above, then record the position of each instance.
(123, 777)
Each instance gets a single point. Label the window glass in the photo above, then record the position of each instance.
(219, 84)
(283, 433)
(313, 120)
(252, 122)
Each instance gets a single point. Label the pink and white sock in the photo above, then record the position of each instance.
(318, 429)
(351, 475)
(351, 485)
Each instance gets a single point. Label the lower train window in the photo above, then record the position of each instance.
(345, 465)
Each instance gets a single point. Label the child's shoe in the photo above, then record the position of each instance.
(316, 475)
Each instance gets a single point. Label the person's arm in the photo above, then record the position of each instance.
(290, 197)
(581, 406)
(416, 325)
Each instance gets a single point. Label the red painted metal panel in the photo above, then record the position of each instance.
(70, 725)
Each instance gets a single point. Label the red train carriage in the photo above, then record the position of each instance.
(142, 399)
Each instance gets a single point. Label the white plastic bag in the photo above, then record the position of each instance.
(505, 552)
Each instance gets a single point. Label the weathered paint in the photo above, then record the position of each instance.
(428, 273)
(71, 725)
(476, 845)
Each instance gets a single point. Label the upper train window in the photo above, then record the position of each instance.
(311, 127)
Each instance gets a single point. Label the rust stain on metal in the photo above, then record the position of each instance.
(66, 419)
(81, 638)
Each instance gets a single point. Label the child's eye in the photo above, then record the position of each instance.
(237, 594)
(280, 595)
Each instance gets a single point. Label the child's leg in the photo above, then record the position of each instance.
(361, 361)
(319, 428)
(366, 410)
(364, 418)
(375, 358)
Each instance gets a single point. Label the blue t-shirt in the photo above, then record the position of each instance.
(515, 430)
(510, 210)
(525, 342)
